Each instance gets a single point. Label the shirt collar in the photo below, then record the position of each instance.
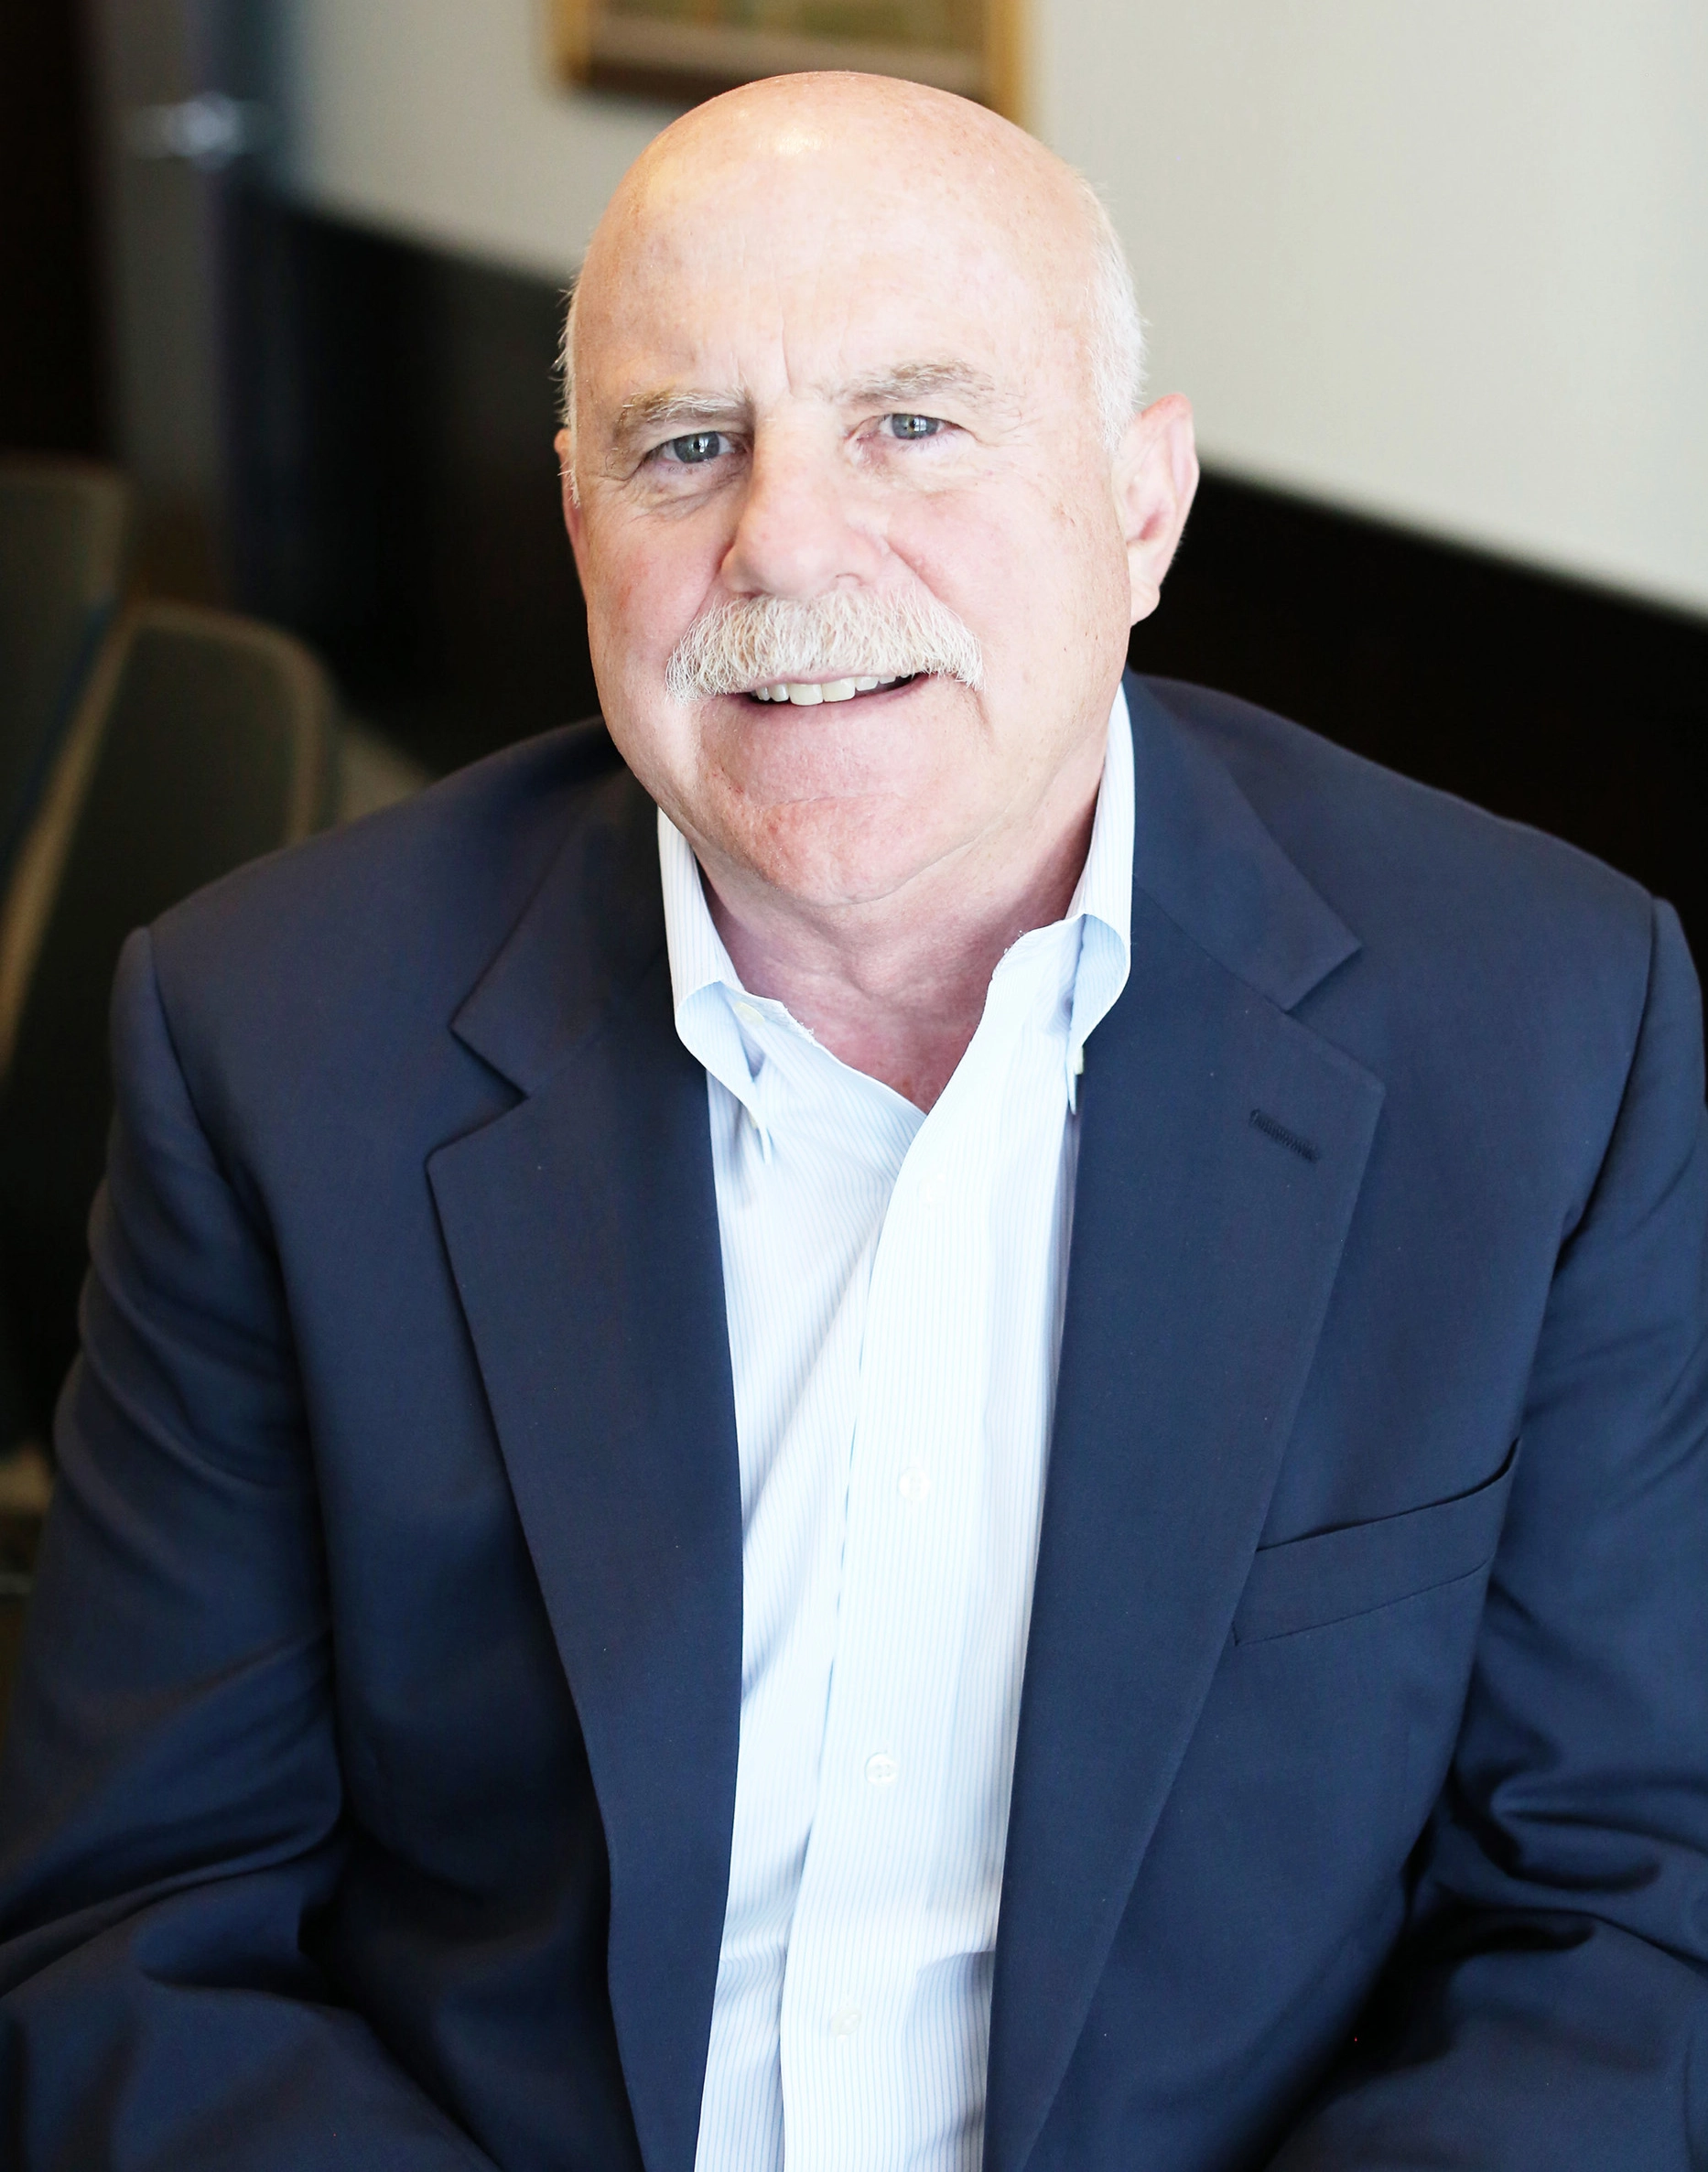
(704, 983)
(698, 956)
(1103, 899)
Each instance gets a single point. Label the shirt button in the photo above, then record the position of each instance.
(914, 1484)
(933, 1191)
(845, 2021)
(881, 1769)
(748, 1015)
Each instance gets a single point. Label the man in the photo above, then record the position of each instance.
(975, 1434)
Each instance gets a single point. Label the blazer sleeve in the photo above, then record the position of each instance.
(170, 1796)
(1550, 2004)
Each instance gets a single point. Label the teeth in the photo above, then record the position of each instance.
(807, 694)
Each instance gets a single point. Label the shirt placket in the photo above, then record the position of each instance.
(858, 1937)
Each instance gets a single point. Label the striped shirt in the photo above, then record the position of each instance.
(894, 1284)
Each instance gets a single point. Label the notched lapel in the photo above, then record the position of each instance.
(583, 1234)
(1204, 1246)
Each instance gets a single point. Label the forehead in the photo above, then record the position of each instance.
(812, 269)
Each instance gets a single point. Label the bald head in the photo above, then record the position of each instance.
(875, 143)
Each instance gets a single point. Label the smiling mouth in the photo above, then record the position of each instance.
(809, 693)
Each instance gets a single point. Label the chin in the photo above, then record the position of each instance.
(828, 854)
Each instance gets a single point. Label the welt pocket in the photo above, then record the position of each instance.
(1306, 1584)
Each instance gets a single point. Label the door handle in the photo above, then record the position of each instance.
(208, 131)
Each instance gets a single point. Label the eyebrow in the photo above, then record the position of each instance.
(647, 414)
(919, 381)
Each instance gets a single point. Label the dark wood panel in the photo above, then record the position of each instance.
(396, 492)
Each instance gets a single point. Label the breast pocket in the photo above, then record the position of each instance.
(1307, 1584)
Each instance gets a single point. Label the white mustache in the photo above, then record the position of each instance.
(754, 641)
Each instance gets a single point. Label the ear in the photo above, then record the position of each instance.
(1156, 473)
(574, 518)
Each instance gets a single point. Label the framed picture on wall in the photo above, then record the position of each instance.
(687, 49)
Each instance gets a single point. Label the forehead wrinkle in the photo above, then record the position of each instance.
(820, 326)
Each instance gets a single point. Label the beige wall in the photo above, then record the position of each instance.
(438, 118)
(1442, 259)
(1443, 262)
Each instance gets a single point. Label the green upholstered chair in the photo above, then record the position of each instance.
(202, 740)
(64, 529)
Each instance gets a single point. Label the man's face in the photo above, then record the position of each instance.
(803, 372)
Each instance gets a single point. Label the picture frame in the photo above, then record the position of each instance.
(684, 51)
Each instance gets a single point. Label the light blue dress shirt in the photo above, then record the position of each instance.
(894, 1283)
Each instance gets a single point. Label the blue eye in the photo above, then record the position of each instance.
(912, 425)
(697, 446)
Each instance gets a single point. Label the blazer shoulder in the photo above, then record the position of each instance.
(1408, 867)
(359, 931)
(1499, 973)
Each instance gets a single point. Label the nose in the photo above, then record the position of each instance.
(801, 530)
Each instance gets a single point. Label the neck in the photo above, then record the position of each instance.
(895, 987)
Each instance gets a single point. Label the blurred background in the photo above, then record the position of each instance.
(279, 540)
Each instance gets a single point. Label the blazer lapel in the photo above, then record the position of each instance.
(1221, 1150)
(583, 1234)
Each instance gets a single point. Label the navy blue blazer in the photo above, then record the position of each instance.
(367, 1802)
